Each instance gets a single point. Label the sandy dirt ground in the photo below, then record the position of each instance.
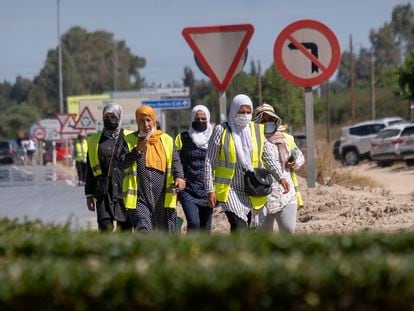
(336, 209)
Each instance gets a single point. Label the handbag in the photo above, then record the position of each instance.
(258, 183)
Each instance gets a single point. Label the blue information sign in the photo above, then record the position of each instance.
(168, 103)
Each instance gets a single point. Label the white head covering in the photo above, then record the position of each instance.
(241, 134)
(200, 138)
(116, 109)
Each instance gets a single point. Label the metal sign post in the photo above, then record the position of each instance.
(310, 137)
(223, 107)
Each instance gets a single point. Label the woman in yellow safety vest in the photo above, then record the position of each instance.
(153, 175)
(235, 147)
(281, 207)
(81, 153)
(103, 187)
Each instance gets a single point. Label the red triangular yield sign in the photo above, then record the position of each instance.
(69, 126)
(86, 120)
(219, 49)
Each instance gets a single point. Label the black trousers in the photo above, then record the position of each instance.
(236, 223)
(81, 170)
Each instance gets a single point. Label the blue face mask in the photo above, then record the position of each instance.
(269, 127)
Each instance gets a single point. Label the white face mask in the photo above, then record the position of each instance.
(243, 119)
(269, 127)
(145, 134)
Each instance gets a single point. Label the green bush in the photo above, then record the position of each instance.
(46, 267)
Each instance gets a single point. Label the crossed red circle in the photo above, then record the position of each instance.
(326, 71)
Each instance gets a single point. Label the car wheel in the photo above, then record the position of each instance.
(409, 162)
(351, 157)
(383, 163)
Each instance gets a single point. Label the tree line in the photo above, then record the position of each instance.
(96, 62)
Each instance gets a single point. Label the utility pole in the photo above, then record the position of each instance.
(59, 60)
(259, 82)
(352, 79)
(115, 67)
(373, 108)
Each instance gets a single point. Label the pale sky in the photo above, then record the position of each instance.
(152, 28)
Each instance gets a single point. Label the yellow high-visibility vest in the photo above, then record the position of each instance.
(224, 170)
(81, 149)
(291, 143)
(93, 145)
(130, 184)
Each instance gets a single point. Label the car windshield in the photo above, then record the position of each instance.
(388, 133)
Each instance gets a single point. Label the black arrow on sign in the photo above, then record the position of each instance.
(310, 46)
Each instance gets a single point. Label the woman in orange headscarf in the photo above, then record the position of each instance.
(153, 176)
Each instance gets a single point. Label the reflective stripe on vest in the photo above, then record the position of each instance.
(93, 144)
(81, 149)
(130, 184)
(291, 143)
(225, 166)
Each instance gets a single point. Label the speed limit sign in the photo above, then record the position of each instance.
(39, 133)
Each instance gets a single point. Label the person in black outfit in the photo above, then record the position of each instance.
(192, 145)
(104, 150)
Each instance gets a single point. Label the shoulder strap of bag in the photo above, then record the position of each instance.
(116, 147)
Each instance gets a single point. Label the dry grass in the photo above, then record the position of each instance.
(328, 171)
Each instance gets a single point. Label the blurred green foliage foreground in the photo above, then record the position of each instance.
(45, 267)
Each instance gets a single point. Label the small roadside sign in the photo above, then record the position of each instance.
(69, 126)
(86, 121)
(219, 49)
(168, 103)
(62, 117)
(39, 133)
(306, 53)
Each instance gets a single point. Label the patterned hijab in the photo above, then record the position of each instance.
(200, 139)
(155, 153)
(241, 134)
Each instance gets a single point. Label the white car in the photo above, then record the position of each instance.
(354, 143)
(394, 143)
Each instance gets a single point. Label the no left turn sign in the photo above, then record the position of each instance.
(306, 53)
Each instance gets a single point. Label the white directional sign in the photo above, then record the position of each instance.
(52, 128)
(86, 121)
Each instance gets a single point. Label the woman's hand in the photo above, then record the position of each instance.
(90, 204)
(285, 185)
(142, 144)
(179, 184)
(212, 199)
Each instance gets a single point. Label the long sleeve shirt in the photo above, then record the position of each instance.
(238, 202)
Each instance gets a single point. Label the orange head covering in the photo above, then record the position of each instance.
(155, 153)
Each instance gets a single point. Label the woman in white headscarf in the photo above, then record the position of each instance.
(192, 146)
(235, 147)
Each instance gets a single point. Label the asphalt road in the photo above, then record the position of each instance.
(46, 193)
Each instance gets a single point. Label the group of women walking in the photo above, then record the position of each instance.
(136, 178)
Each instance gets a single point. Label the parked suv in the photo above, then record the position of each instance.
(394, 143)
(354, 143)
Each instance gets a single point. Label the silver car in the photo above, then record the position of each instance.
(394, 143)
(354, 143)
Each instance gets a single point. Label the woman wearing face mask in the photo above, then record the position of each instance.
(192, 146)
(281, 207)
(235, 147)
(153, 176)
(104, 194)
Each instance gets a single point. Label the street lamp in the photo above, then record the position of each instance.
(59, 60)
